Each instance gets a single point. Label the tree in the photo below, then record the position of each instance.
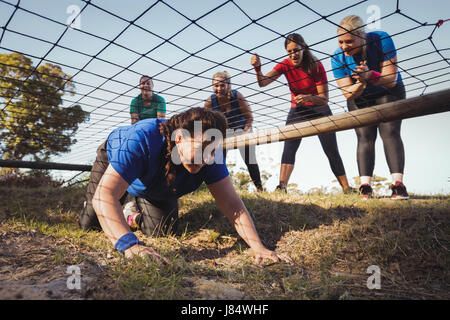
(242, 180)
(32, 120)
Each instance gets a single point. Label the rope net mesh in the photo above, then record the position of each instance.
(181, 44)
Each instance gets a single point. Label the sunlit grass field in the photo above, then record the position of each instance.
(333, 239)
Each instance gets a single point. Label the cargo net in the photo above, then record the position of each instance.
(105, 47)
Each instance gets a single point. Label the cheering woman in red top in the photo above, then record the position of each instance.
(309, 100)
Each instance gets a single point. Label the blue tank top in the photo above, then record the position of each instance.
(235, 118)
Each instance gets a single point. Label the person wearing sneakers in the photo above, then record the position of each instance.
(148, 104)
(309, 100)
(158, 161)
(365, 68)
(239, 118)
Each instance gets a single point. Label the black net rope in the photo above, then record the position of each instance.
(182, 69)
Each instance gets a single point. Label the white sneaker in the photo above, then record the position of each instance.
(130, 212)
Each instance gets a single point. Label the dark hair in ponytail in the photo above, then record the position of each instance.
(185, 120)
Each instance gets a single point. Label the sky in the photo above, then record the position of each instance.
(183, 43)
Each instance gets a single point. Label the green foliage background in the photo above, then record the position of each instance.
(32, 121)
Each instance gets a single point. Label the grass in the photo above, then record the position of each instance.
(332, 238)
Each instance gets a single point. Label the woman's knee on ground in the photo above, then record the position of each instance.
(88, 219)
(156, 221)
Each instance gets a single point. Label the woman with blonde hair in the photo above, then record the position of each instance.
(309, 100)
(365, 68)
(236, 110)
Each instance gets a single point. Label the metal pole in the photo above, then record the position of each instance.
(44, 165)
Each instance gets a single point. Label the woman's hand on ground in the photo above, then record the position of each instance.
(143, 251)
(263, 254)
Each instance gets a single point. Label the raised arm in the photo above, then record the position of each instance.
(263, 80)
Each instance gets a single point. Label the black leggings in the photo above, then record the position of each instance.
(327, 140)
(248, 153)
(157, 216)
(389, 132)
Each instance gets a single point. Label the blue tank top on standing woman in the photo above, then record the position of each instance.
(235, 118)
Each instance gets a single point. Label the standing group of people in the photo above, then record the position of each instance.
(365, 68)
(136, 165)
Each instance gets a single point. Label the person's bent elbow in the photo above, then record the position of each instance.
(391, 82)
(261, 83)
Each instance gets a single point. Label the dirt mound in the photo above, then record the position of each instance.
(30, 268)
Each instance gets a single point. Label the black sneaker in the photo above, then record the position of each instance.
(259, 187)
(281, 188)
(399, 191)
(365, 191)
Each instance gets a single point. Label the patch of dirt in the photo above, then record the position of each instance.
(203, 248)
(213, 290)
(35, 266)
